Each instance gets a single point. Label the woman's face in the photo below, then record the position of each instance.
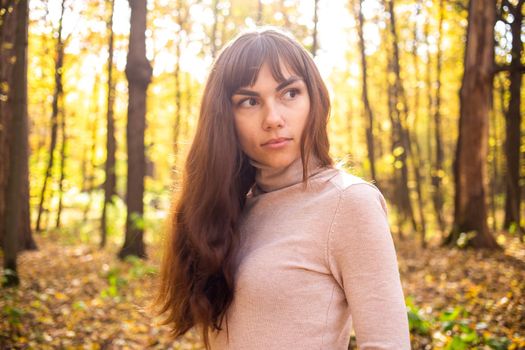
(270, 117)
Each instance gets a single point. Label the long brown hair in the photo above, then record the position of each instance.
(197, 272)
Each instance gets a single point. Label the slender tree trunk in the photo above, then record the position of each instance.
(62, 166)
(18, 148)
(138, 73)
(396, 181)
(470, 211)
(402, 147)
(178, 99)
(437, 172)
(358, 14)
(494, 183)
(430, 103)
(513, 124)
(416, 156)
(57, 105)
(314, 34)
(110, 181)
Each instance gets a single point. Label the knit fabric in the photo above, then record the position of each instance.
(313, 263)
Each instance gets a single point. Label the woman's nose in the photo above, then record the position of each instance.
(273, 117)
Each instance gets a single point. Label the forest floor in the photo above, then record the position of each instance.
(75, 296)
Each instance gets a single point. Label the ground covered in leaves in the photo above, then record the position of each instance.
(75, 296)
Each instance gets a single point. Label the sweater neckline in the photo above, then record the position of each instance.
(268, 179)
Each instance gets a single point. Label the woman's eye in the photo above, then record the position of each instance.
(249, 102)
(291, 94)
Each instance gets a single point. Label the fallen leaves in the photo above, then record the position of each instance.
(464, 299)
(79, 297)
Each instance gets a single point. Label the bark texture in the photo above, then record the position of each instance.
(513, 123)
(470, 213)
(110, 182)
(16, 196)
(138, 73)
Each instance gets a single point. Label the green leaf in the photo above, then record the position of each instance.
(456, 344)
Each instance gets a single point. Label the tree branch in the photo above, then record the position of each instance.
(498, 68)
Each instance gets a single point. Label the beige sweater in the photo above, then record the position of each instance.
(313, 264)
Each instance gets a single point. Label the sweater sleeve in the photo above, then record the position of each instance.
(362, 258)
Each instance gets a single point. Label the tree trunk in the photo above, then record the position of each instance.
(110, 181)
(416, 155)
(494, 149)
(138, 73)
(57, 105)
(437, 172)
(513, 125)
(314, 34)
(401, 148)
(17, 179)
(358, 14)
(7, 43)
(62, 166)
(470, 212)
(178, 99)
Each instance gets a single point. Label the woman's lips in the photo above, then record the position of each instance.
(276, 143)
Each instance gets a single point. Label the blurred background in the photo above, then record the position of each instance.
(99, 102)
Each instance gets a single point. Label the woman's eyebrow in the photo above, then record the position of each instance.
(287, 82)
(279, 87)
(246, 92)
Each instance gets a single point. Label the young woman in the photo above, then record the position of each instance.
(270, 246)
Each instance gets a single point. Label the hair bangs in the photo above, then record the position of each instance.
(249, 55)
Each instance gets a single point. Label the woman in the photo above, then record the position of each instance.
(270, 246)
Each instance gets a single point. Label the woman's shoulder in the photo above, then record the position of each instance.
(347, 189)
(344, 180)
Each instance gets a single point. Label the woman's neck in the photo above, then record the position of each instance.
(270, 179)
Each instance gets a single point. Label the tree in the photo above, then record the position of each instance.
(398, 112)
(62, 166)
(11, 45)
(111, 143)
(470, 211)
(513, 116)
(138, 73)
(17, 134)
(57, 108)
(437, 167)
(358, 14)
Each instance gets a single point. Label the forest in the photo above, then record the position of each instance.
(99, 102)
